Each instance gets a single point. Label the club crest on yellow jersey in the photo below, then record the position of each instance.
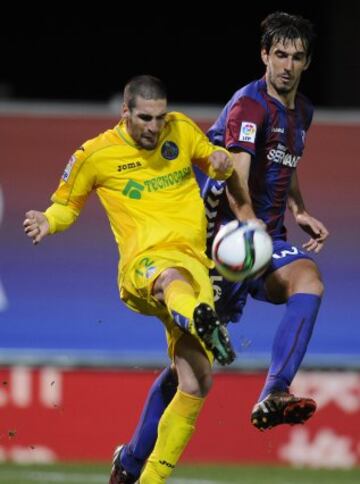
(169, 150)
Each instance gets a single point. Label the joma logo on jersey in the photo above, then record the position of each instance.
(129, 166)
(281, 156)
(167, 464)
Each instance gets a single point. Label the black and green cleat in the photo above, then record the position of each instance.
(214, 334)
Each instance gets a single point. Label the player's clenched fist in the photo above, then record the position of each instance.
(221, 161)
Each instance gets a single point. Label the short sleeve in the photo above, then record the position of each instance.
(244, 122)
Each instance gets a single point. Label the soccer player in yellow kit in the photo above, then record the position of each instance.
(142, 172)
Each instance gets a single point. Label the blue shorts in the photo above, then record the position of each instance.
(230, 297)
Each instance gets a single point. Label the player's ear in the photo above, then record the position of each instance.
(125, 110)
(265, 56)
(308, 61)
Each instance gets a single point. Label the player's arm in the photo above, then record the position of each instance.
(237, 188)
(68, 200)
(243, 124)
(36, 226)
(214, 161)
(316, 229)
(220, 164)
(56, 218)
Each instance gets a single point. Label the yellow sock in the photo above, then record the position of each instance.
(181, 301)
(176, 427)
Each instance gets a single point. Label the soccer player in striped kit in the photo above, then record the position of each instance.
(264, 125)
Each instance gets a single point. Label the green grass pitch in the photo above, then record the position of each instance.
(199, 474)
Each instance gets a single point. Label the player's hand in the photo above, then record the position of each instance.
(256, 222)
(315, 229)
(36, 226)
(221, 161)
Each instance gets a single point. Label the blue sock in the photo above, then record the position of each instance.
(291, 341)
(135, 453)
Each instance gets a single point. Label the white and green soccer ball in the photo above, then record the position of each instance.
(242, 250)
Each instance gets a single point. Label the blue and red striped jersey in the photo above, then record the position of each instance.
(274, 135)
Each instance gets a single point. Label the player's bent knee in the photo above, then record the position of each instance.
(172, 274)
(316, 286)
(308, 286)
(305, 278)
(311, 283)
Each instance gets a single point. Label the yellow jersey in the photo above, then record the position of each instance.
(151, 197)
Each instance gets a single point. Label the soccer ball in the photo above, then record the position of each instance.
(241, 250)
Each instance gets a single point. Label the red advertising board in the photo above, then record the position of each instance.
(51, 414)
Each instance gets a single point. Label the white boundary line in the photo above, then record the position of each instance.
(50, 477)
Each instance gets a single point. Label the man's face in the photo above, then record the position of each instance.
(285, 63)
(145, 121)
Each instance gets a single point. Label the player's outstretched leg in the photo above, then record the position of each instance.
(213, 334)
(282, 408)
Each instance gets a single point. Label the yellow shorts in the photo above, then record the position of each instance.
(138, 279)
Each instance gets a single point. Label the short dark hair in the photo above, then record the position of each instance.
(281, 26)
(145, 86)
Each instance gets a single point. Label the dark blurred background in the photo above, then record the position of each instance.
(203, 52)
